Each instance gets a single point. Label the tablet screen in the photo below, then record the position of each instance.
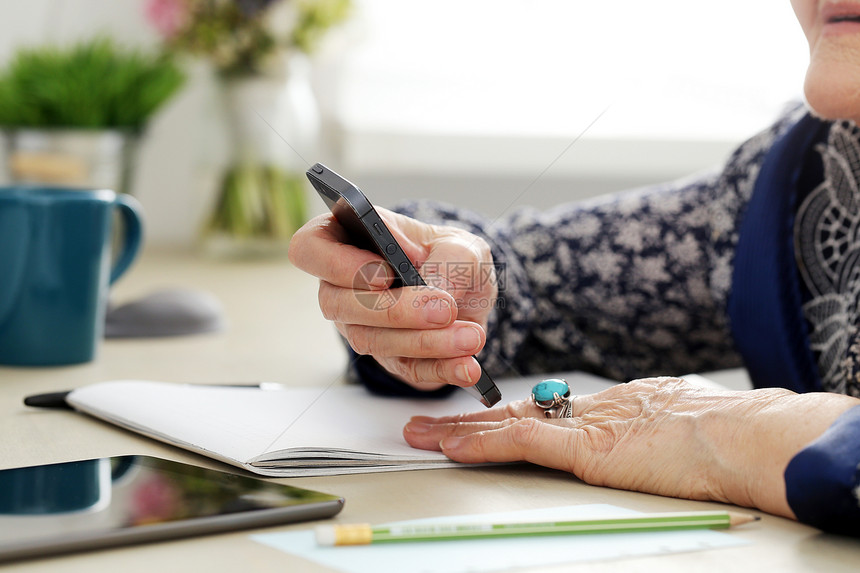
(106, 502)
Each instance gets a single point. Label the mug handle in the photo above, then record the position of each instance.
(130, 210)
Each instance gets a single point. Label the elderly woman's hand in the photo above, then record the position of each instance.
(657, 435)
(426, 336)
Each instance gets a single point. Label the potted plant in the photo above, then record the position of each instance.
(258, 50)
(74, 115)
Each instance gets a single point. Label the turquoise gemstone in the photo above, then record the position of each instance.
(545, 391)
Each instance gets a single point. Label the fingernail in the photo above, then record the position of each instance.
(467, 339)
(451, 443)
(437, 311)
(418, 427)
(463, 374)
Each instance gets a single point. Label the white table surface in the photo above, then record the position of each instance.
(277, 333)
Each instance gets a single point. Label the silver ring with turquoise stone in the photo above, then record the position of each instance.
(553, 395)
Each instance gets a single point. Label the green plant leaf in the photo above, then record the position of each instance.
(93, 84)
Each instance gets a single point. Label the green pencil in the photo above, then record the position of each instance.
(363, 534)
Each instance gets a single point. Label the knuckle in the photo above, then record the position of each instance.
(469, 254)
(514, 410)
(425, 343)
(440, 372)
(482, 247)
(359, 339)
(429, 371)
(523, 432)
(577, 459)
(391, 365)
(644, 384)
(408, 369)
(327, 303)
(479, 446)
(397, 313)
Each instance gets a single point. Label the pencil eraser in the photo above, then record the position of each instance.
(325, 535)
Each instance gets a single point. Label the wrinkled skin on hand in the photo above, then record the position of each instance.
(656, 435)
(426, 335)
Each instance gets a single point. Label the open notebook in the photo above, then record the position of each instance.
(288, 432)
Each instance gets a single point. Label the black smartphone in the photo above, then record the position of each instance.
(368, 231)
(107, 502)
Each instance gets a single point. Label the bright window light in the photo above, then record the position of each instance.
(665, 69)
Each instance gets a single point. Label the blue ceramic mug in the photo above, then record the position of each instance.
(55, 269)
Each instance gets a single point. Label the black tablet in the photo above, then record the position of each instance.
(106, 502)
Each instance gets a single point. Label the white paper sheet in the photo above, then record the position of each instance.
(251, 427)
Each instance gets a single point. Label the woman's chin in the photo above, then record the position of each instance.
(833, 92)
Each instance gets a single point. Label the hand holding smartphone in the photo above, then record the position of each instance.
(368, 231)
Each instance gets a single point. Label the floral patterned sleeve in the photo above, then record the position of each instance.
(620, 286)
